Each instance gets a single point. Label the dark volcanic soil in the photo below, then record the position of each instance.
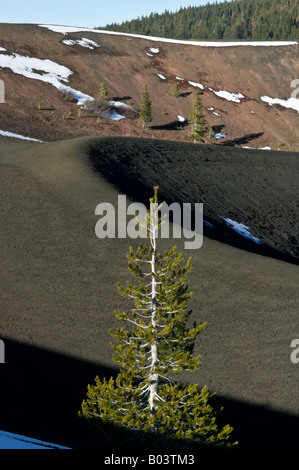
(256, 188)
(58, 280)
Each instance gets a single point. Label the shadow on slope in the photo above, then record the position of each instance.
(245, 139)
(42, 392)
(255, 188)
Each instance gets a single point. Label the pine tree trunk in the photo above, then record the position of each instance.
(153, 388)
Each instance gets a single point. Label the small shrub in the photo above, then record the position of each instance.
(67, 115)
(68, 96)
(100, 107)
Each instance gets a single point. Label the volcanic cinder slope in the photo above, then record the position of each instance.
(58, 280)
(235, 82)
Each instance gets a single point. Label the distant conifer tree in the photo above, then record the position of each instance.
(176, 90)
(154, 345)
(197, 121)
(103, 90)
(145, 114)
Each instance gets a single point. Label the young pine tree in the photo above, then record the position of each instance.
(197, 121)
(145, 114)
(154, 345)
(103, 90)
(175, 90)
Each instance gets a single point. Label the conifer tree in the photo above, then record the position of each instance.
(145, 114)
(197, 121)
(210, 132)
(103, 90)
(153, 347)
(175, 90)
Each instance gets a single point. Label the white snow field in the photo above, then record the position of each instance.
(23, 65)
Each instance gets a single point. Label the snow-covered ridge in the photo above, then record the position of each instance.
(72, 29)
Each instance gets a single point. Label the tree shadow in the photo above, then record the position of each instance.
(185, 94)
(242, 140)
(121, 98)
(171, 126)
(218, 128)
(42, 392)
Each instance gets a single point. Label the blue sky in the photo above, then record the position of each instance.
(88, 14)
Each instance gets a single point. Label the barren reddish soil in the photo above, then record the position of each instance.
(123, 63)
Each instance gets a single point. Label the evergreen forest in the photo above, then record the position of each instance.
(233, 20)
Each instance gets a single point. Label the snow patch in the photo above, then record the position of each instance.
(18, 136)
(154, 50)
(199, 85)
(241, 229)
(119, 104)
(114, 116)
(84, 42)
(50, 71)
(16, 441)
(291, 103)
(253, 148)
(236, 97)
(208, 223)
